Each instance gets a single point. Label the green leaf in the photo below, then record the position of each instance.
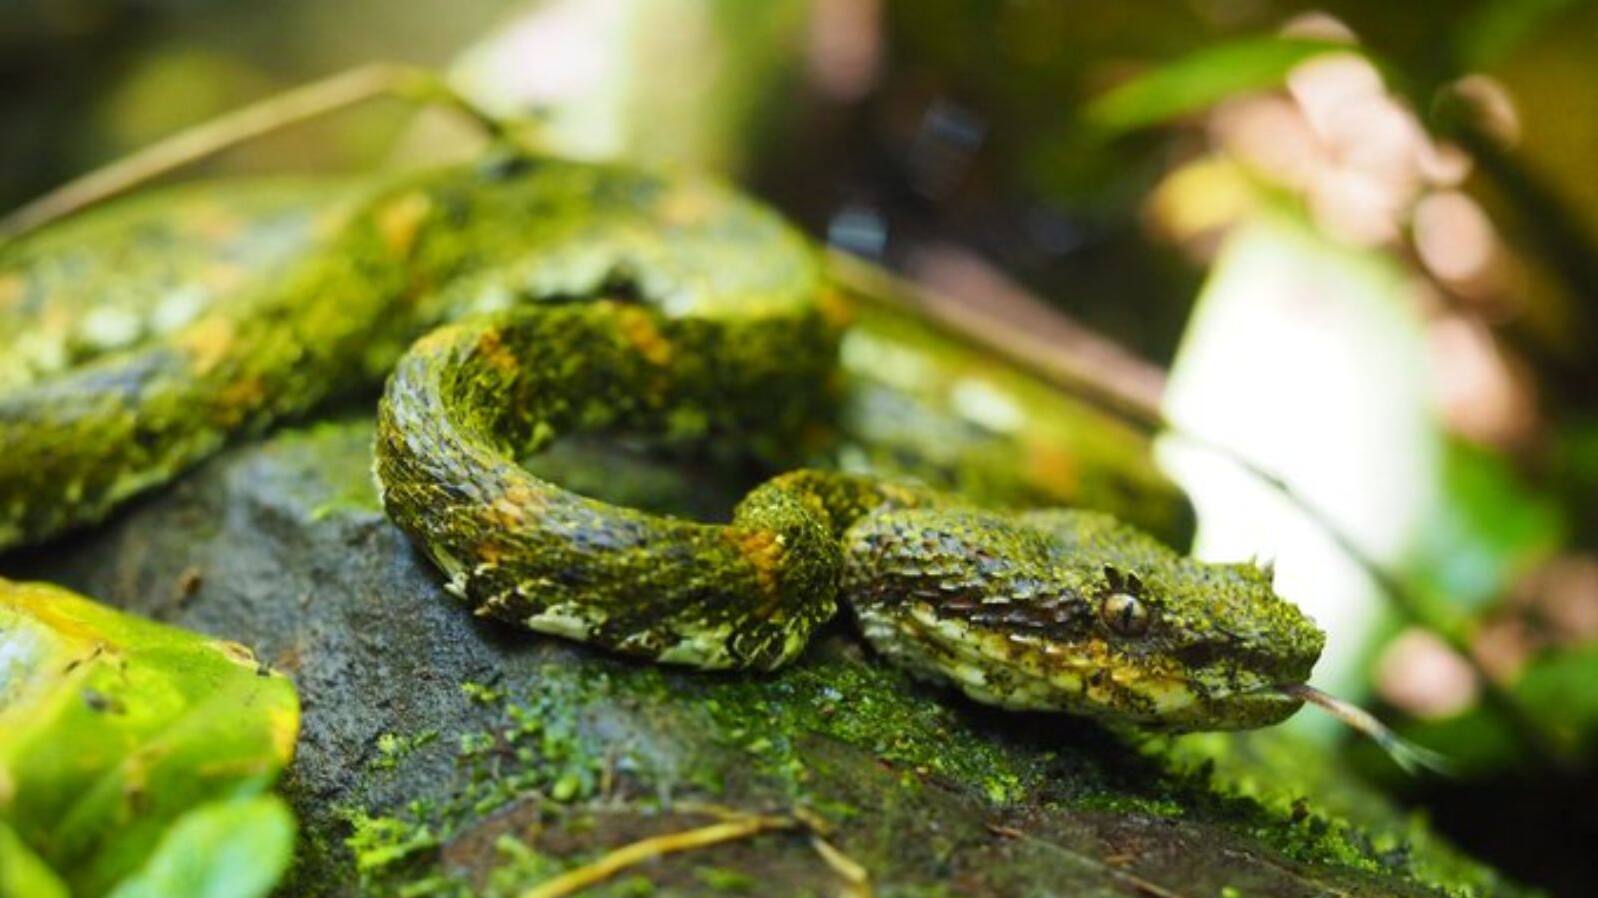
(1202, 79)
(1488, 529)
(111, 727)
(22, 874)
(225, 849)
(1559, 689)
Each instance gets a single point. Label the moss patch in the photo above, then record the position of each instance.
(548, 755)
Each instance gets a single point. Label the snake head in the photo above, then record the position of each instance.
(1074, 611)
(1191, 645)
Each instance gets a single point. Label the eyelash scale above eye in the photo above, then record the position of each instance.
(1128, 582)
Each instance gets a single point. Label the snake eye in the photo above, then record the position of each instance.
(1124, 614)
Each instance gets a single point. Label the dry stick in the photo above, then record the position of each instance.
(1125, 385)
(1124, 391)
(732, 824)
(656, 846)
(857, 879)
(273, 113)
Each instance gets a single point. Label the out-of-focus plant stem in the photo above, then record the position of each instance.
(209, 138)
(1545, 743)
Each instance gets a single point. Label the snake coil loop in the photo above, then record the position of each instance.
(556, 298)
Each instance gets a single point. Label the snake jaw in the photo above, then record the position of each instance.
(1090, 679)
(1033, 612)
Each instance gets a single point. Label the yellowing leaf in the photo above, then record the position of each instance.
(111, 727)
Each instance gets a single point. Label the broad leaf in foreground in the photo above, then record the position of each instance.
(112, 727)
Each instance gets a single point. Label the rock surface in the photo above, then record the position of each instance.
(445, 756)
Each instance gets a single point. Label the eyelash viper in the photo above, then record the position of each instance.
(591, 298)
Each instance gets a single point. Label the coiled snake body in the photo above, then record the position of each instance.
(586, 298)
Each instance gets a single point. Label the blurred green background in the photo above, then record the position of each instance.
(1353, 243)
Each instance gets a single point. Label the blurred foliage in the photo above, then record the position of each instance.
(1198, 81)
(173, 739)
(1557, 687)
(1488, 530)
(1574, 475)
(1493, 31)
(682, 83)
(223, 849)
(1025, 179)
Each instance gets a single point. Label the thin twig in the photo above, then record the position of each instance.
(656, 846)
(1090, 366)
(857, 879)
(717, 811)
(273, 113)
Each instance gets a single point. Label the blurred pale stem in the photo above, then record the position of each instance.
(201, 141)
(1544, 742)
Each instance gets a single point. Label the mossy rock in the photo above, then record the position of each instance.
(441, 755)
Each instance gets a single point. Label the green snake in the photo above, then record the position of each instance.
(522, 299)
